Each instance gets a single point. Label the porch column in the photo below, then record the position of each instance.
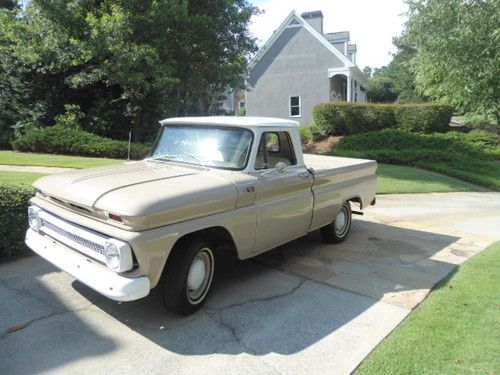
(349, 99)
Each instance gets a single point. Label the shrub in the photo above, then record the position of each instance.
(305, 133)
(350, 118)
(14, 220)
(71, 141)
(71, 118)
(423, 118)
(310, 132)
(467, 156)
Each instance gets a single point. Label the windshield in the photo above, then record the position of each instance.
(209, 146)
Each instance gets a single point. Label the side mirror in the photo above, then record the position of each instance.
(281, 167)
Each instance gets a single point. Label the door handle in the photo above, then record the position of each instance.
(304, 175)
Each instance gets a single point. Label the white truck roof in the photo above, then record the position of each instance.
(243, 121)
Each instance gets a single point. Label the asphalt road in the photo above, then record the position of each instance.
(305, 307)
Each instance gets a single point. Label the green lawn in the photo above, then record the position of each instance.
(456, 330)
(50, 160)
(398, 179)
(25, 178)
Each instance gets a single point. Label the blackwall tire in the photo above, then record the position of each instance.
(188, 275)
(337, 231)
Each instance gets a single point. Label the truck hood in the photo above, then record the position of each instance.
(149, 194)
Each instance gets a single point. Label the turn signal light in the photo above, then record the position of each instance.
(116, 218)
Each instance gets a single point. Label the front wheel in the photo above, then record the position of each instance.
(188, 276)
(337, 231)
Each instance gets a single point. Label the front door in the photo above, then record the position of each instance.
(283, 198)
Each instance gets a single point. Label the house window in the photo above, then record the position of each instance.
(242, 105)
(295, 106)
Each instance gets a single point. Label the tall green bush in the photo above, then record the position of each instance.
(468, 156)
(72, 141)
(13, 220)
(350, 118)
(423, 118)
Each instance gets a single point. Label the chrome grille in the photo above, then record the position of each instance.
(73, 237)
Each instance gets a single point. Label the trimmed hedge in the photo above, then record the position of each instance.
(467, 156)
(73, 141)
(14, 220)
(423, 118)
(350, 118)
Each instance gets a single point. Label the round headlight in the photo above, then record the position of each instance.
(34, 218)
(118, 255)
(113, 255)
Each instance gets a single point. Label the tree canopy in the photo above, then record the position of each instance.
(396, 81)
(122, 63)
(456, 44)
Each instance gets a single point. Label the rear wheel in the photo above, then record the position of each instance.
(188, 276)
(337, 231)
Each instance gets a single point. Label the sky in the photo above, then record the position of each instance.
(372, 23)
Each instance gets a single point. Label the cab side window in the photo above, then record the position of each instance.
(274, 147)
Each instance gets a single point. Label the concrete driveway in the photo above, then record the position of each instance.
(305, 307)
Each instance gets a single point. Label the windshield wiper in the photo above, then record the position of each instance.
(197, 159)
(176, 157)
(163, 158)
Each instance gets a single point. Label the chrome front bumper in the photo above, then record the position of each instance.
(87, 270)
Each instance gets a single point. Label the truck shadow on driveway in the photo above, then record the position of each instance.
(51, 324)
(300, 294)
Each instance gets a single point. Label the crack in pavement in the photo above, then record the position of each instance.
(236, 338)
(263, 299)
(218, 311)
(48, 316)
(307, 278)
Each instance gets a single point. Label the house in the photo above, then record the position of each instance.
(299, 67)
(234, 102)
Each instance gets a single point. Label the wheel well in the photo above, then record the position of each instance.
(357, 200)
(219, 235)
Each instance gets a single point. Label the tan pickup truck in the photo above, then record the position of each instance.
(241, 182)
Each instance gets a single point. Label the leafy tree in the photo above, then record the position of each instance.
(367, 71)
(8, 4)
(123, 63)
(395, 81)
(456, 56)
(381, 90)
(399, 71)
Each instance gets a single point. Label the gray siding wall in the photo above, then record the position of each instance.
(296, 64)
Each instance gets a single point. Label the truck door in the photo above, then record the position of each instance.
(283, 199)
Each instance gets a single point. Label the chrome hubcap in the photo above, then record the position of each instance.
(200, 275)
(197, 274)
(341, 222)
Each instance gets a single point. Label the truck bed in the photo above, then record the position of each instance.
(337, 165)
(337, 180)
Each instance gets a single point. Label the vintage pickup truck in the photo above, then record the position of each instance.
(241, 182)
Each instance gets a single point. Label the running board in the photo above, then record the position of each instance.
(357, 213)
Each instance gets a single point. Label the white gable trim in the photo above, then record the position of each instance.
(326, 43)
(308, 27)
(262, 51)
